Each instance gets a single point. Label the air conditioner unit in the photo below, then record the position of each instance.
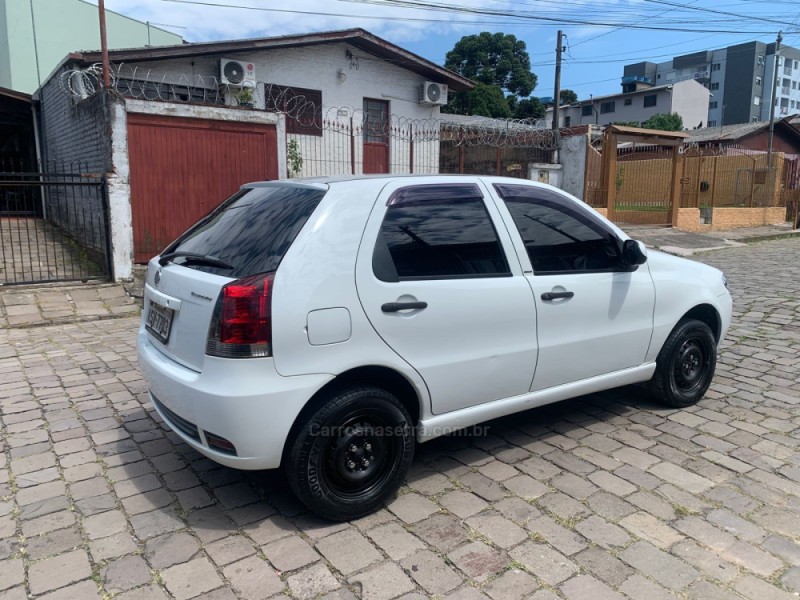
(237, 72)
(433, 94)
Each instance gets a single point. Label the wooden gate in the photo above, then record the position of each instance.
(182, 168)
(641, 175)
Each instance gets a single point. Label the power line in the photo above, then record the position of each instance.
(426, 5)
(483, 12)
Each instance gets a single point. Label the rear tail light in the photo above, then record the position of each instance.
(242, 322)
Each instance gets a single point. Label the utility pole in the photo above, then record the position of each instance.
(101, 7)
(557, 88)
(772, 102)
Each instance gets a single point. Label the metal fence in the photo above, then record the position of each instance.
(53, 225)
(343, 140)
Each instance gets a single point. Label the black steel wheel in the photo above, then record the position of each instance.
(351, 454)
(685, 366)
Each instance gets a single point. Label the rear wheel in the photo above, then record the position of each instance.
(351, 454)
(685, 366)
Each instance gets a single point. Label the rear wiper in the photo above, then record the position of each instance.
(194, 258)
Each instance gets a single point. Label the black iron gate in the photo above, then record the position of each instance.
(53, 226)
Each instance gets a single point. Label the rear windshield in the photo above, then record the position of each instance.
(251, 231)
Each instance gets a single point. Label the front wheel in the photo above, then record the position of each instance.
(351, 454)
(685, 366)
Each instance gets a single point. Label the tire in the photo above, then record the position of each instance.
(352, 454)
(685, 366)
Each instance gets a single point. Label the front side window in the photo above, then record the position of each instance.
(586, 110)
(607, 107)
(438, 232)
(559, 238)
(650, 100)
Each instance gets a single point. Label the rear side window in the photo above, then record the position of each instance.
(438, 232)
(252, 230)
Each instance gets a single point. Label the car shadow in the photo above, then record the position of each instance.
(215, 500)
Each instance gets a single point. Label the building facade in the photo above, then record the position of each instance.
(687, 98)
(35, 35)
(189, 124)
(739, 78)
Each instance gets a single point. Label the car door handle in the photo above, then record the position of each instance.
(391, 307)
(556, 295)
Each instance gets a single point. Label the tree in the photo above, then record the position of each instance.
(664, 122)
(498, 63)
(528, 108)
(568, 97)
(485, 100)
(494, 59)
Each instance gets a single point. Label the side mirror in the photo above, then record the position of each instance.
(632, 253)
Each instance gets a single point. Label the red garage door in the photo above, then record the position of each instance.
(180, 169)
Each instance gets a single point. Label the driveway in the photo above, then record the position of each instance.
(603, 497)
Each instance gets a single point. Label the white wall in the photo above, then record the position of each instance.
(316, 67)
(119, 192)
(573, 158)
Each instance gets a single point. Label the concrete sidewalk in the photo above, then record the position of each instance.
(684, 243)
(49, 305)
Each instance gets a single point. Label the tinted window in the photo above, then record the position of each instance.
(438, 231)
(586, 110)
(650, 100)
(252, 230)
(558, 237)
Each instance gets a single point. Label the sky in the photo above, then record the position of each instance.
(601, 37)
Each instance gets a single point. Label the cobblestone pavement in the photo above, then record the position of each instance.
(21, 307)
(602, 497)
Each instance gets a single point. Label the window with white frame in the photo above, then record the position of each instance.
(756, 100)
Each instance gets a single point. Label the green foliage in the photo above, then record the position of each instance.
(245, 97)
(664, 122)
(528, 108)
(294, 158)
(485, 100)
(568, 97)
(627, 123)
(497, 59)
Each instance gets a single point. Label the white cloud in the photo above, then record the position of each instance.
(204, 23)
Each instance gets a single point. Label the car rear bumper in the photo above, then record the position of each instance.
(242, 401)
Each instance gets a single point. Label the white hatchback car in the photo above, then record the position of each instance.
(327, 325)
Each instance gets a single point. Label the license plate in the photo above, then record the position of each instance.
(159, 321)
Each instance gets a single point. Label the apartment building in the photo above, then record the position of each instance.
(637, 104)
(739, 78)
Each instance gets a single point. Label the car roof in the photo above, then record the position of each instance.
(328, 179)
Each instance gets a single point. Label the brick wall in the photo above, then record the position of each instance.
(76, 139)
(723, 219)
(75, 131)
